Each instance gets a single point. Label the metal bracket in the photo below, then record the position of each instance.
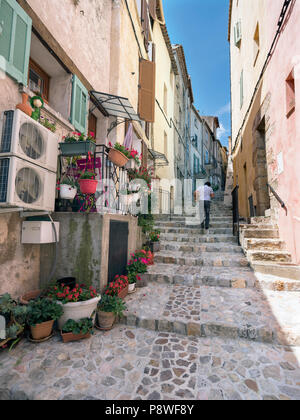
(25, 214)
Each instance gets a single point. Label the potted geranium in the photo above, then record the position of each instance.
(154, 241)
(109, 308)
(77, 330)
(15, 320)
(68, 188)
(41, 316)
(118, 154)
(132, 280)
(77, 303)
(138, 265)
(134, 160)
(118, 287)
(88, 183)
(78, 144)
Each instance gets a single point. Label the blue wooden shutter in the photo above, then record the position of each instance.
(15, 39)
(79, 111)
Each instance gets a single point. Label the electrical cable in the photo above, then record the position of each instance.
(53, 269)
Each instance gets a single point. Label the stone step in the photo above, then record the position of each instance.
(216, 312)
(260, 233)
(260, 219)
(285, 270)
(192, 224)
(264, 244)
(256, 227)
(205, 259)
(276, 283)
(236, 277)
(195, 230)
(220, 247)
(272, 256)
(198, 238)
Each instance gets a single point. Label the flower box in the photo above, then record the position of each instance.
(69, 337)
(124, 292)
(78, 148)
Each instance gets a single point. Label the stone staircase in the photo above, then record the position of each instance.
(202, 284)
(268, 257)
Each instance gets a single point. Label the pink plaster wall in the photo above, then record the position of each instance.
(285, 137)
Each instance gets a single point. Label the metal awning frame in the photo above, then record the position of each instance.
(157, 156)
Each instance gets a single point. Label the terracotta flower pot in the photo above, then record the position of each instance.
(123, 292)
(68, 337)
(106, 319)
(27, 297)
(117, 157)
(24, 106)
(88, 186)
(42, 330)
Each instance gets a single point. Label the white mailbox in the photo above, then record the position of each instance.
(34, 232)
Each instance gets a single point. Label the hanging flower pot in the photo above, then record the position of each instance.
(117, 157)
(67, 192)
(88, 186)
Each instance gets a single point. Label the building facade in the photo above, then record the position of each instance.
(265, 113)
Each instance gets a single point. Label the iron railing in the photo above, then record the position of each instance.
(235, 213)
(281, 202)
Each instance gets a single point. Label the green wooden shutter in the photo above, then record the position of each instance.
(79, 111)
(15, 39)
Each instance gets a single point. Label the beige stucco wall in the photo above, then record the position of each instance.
(164, 77)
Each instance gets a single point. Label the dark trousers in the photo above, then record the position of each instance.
(207, 213)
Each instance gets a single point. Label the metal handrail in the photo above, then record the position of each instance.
(235, 213)
(281, 202)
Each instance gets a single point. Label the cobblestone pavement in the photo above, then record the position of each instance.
(205, 327)
(130, 363)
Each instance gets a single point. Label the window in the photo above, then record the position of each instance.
(256, 43)
(290, 94)
(166, 144)
(38, 80)
(92, 125)
(79, 105)
(206, 157)
(14, 40)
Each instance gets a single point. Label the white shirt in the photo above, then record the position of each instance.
(205, 192)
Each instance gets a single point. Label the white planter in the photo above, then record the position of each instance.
(78, 310)
(131, 288)
(67, 192)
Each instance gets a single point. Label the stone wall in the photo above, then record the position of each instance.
(83, 247)
(19, 264)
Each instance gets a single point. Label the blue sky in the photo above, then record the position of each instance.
(201, 26)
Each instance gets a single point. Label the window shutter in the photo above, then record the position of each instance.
(145, 23)
(152, 8)
(15, 40)
(79, 111)
(147, 91)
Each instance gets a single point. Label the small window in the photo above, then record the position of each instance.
(238, 33)
(256, 43)
(38, 80)
(290, 94)
(166, 144)
(165, 99)
(92, 125)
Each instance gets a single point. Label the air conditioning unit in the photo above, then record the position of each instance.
(26, 138)
(25, 185)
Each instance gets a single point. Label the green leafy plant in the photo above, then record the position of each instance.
(43, 310)
(15, 317)
(76, 137)
(69, 180)
(46, 123)
(132, 278)
(154, 236)
(83, 326)
(138, 264)
(87, 175)
(113, 304)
